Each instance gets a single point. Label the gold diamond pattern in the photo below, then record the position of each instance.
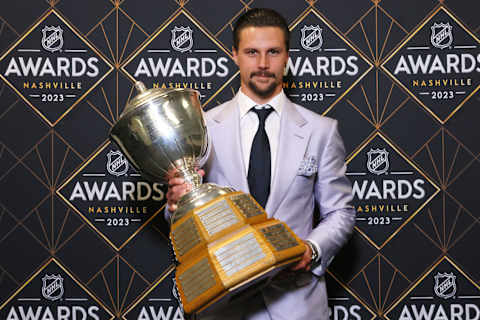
(393, 213)
(379, 285)
(36, 94)
(435, 289)
(446, 95)
(71, 291)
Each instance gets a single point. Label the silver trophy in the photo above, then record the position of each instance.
(222, 239)
(163, 134)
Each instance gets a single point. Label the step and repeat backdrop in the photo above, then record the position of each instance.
(82, 235)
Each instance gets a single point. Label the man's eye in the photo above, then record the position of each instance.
(251, 52)
(274, 51)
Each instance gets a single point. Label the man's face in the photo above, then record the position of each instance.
(261, 58)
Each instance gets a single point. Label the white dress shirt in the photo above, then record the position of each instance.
(249, 125)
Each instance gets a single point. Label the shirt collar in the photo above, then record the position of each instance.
(245, 103)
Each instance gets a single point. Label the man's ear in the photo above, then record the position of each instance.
(234, 55)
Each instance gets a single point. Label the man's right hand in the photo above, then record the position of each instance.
(176, 189)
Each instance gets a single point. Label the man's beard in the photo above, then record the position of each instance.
(263, 93)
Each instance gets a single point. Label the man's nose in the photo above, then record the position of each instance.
(263, 62)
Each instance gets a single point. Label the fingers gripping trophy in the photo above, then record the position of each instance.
(223, 241)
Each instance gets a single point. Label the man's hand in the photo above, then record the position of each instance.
(176, 189)
(306, 262)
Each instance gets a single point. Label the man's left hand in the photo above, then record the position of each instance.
(306, 262)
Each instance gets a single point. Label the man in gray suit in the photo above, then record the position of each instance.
(289, 159)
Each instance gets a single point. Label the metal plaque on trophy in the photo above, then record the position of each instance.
(223, 241)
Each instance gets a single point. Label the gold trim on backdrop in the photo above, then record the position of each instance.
(85, 40)
(404, 42)
(437, 189)
(69, 274)
(350, 291)
(347, 42)
(397, 37)
(142, 296)
(160, 30)
(90, 159)
(420, 280)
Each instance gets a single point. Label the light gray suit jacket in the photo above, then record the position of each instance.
(303, 134)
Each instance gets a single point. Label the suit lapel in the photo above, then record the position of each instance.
(293, 141)
(227, 138)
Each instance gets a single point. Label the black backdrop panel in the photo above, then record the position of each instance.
(83, 236)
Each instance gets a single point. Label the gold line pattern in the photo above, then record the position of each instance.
(374, 35)
(4, 273)
(419, 281)
(5, 23)
(345, 287)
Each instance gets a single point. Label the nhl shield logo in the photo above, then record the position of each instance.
(182, 39)
(52, 38)
(377, 162)
(311, 38)
(442, 36)
(52, 287)
(445, 286)
(117, 165)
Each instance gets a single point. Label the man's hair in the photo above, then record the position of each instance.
(260, 17)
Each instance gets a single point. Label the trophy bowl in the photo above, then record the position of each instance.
(222, 239)
(162, 132)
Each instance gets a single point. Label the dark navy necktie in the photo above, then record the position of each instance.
(259, 167)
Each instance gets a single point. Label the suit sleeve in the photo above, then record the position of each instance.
(333, 193)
